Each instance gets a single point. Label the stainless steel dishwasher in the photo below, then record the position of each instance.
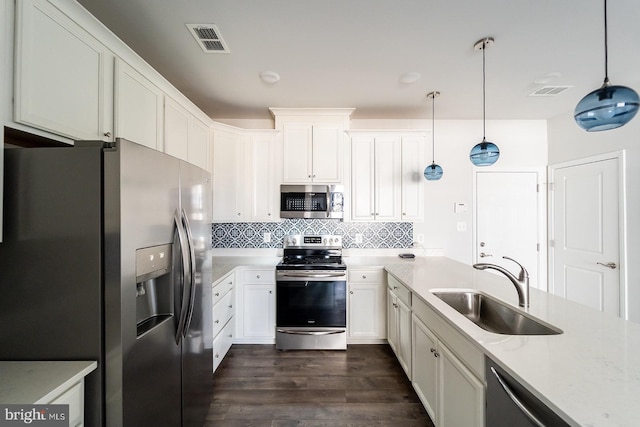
(508, 403)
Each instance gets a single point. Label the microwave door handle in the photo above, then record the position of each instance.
(328, 201)
(192, 275)
(181, 306)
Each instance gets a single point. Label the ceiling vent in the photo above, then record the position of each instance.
(549, 90)
(208, 38)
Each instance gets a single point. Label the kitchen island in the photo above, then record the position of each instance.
(589, 375)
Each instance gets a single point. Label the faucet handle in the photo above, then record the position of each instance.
(524, 274)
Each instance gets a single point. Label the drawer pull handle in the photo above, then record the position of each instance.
(515, 399)
(217, 294)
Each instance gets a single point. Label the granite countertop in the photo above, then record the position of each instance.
(39, 382)
(589, 374)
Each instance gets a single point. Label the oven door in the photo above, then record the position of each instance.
(311, 299)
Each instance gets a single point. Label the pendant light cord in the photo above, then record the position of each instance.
(433, 128)
(484, 94)
(606, 47)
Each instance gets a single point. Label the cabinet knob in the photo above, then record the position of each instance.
(217, 356)
(257, 276)
(433, 350)
(404, 213)
(308, 176)
(395, 305)
(230, 306)
(351, 292)
(107, 134)
(314, 176)
(436, 354)
(395, 287)
(217, 294)
(238, 213)
(269, 214)
(230, 335)
(217, 321)
(270, 292)
(231, 283)
(364, 276)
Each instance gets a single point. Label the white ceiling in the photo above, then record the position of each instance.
(351, 53)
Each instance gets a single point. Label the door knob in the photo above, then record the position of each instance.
(611, 265)
(483, 255)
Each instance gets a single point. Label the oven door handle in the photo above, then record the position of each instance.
(311, 276)
(299, 332)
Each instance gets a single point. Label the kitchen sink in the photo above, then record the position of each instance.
(493, 315)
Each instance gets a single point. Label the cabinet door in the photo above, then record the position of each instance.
(263, 188)
(327, 153)
(138, 108)
(362, 178)
(176, 129)
(413, 165)
(63, 76)
(404, 336)
(297, 142)
(198, 144)
(425, 372)
(366, 311)
(387, 178)
(461, 394)
(258, 311)
(392, 321)
(228, 176)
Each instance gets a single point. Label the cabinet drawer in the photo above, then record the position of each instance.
(222, 287)
(400, 290)
(469, 354)
(222, 343)
(74, 397)
(222, 312)
(366, 276)
(259, 276)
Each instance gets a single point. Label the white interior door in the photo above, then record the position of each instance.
(507, 221)
(585, 253)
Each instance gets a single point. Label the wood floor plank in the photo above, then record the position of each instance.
(257, 385)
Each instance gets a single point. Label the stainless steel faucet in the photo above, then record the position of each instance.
(521, 282)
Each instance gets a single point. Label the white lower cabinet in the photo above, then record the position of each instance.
(223, 317)
(399, 322)
(256, 302)
(452, 390)
(366, 306)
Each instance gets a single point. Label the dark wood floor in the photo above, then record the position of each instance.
(257, 385)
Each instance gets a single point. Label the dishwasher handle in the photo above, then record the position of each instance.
(515, 399)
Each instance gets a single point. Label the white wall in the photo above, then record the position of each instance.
(568, 142)
(523, 146)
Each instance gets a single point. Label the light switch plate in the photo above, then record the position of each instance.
(266, 237)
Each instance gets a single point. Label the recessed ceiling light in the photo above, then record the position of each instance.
(411, 77)
(270, 77)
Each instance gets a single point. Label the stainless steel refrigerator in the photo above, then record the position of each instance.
(106, 257)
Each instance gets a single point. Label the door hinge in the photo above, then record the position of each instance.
(537, 247)
(537, 188)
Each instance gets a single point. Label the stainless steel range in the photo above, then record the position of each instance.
(311, 294)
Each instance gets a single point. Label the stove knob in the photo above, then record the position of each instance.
(337, 241)
(325, 242)
(294, 242)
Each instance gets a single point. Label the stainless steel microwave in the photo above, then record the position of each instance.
(312, 201)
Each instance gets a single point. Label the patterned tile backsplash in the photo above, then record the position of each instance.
(374, 234)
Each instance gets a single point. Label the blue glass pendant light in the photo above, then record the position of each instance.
(433, 172)
(485, 153)
(608, 107)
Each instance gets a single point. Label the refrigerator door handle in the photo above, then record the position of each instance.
(183, 304)
(192, 284)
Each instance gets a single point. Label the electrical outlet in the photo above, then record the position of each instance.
(462, 226)
(358, 238)
(266, 237)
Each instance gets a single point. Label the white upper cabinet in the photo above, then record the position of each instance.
(264, 191)
(313, 144)
(386, 172)
(138, 108)
(185, 136)
(413, 164)
(176, 129)
(63, 75)
(312, 153)
(228, 165)
(375, 178)
(244, 168)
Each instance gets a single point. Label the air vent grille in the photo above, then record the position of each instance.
(208, 38)
(550, 90)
